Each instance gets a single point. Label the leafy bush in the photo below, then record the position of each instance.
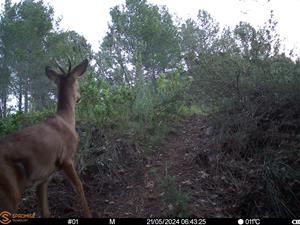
(19, 120)
(103, 103)
(174, 196)
(251, 91)
(134, 111)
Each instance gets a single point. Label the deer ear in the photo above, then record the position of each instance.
(52, 74)
(80, 69)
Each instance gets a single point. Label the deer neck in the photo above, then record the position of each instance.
(66, 105)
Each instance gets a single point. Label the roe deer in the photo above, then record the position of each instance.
(31, 155)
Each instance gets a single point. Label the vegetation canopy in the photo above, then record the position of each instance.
(206, 118)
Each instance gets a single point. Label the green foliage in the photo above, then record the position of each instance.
(29, 42)
(142, 42)
(11, 123)
(148, 72)
(153, 109)
(103, 103)
(20, 120)
(279, 179)
(177, 199)
(252, 92)
(68, 44)
(234, 63)
(134, 111)
(24, 28)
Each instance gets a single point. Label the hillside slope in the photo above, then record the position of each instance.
(185, 176)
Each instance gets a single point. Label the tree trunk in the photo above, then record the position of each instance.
(4, 104)
(26, 99)
(20, 99)
(154, 81)
(1, 113)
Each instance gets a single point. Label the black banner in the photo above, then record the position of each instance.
(153, 221)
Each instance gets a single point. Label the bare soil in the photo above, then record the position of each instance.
(185, 176)
(166, 182)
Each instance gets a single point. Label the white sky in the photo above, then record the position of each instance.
(90, 17)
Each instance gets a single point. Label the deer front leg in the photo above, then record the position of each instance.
(42, 195)
(69, 169)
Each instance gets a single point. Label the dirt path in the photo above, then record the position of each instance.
(169, 182)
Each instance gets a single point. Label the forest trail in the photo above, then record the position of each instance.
(168, 182)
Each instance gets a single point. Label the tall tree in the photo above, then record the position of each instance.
(199, 38)
(25, 26)
(29, 41)
(142, 41)
(5, 78)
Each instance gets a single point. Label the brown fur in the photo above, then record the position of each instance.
(31, 155)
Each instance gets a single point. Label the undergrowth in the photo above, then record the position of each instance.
(177, 199)
(261, 135)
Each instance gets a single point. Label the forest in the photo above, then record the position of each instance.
(176, 119)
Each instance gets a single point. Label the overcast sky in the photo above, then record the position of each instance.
(90, 17)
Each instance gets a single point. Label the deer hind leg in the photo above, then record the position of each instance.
(42, 194)
(69, 169)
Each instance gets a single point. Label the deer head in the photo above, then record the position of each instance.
(31, 155)
(68, 88)
(68, 79)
